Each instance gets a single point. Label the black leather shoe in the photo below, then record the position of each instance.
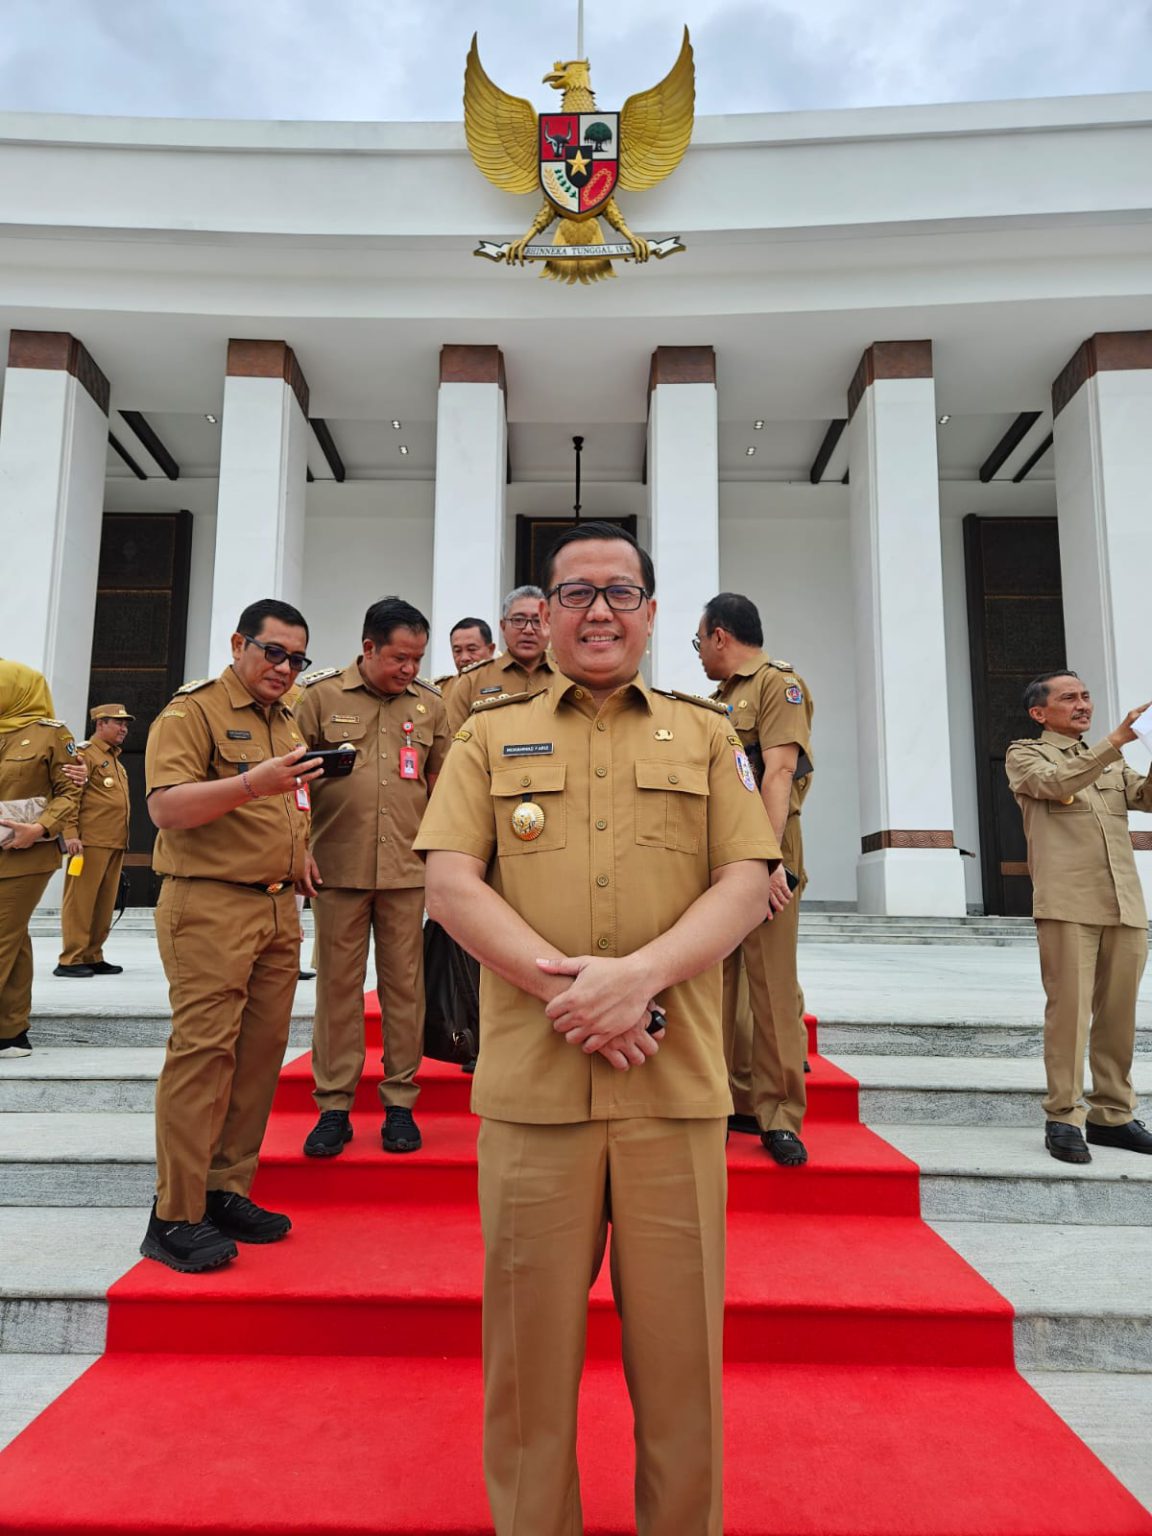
(74, 970)
(15, 1046)
(468, 1066)
(306, 976)
(746, 1124)
(105, 968)
(807, 1065)
(189, 1246)
(785, 1147)
(1133, 1137)
(242, 1219)
(1065, 1142)
(400, 1133)
(330, 1135)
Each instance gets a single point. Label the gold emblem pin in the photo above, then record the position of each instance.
(663, 735)
(527, 820)
(108, 783)
(743, 704)
(421, 709)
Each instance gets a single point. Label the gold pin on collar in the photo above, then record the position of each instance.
(663, 735)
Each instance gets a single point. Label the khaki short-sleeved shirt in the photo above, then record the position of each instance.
(363, 826)
(32, 762)
(489, 679)
(642, 800)
(772, 707)
(217, 730)
(1075, 800)
(104, 803)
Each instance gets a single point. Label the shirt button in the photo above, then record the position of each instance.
(383, 839)
(602, 944)
(601, 773)
(601, 879)
(577, 693)
(673, 778)
(526, 780)
(383, 782)
(600, 825)
(600, 726)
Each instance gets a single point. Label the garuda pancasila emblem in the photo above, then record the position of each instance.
(578, 157)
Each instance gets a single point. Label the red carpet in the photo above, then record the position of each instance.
(331, 1383)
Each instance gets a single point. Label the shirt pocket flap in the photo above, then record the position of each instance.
(240, 753)
(685, 778)
(344, 730)
(528, 778)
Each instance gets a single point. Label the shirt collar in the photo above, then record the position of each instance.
(1056, 739)
(506, 661)
(752, 665)
(352, 678)
(240, 698)
(561, 687)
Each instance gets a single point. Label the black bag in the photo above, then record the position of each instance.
(451, 998)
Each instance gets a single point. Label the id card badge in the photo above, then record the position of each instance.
(409, 763)
(303, 797)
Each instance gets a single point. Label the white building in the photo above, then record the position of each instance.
(944, 278)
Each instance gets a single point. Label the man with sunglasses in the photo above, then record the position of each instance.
(522, 667)
(231, 800)
(600, 847)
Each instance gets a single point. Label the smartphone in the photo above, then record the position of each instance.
(338, 761)
(793, 880)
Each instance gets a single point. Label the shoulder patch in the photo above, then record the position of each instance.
(495, 701)
(692, 698)
(318, 676)
(472, 665)
(462, 735)
(781, 666)
(57, 725)
(446, 678)
(200, 682)
(426, 682)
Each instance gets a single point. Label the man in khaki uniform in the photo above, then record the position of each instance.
(35, 751)
(230, 797)
(522, 667)
(472, 643)
(765, 1040)
(371, 881)
(90, 896)
(600, 846)
(1091, 922)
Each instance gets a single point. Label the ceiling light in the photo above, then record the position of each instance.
(403, 447)
(208, 416)
(757, 426)
(396, 425)
(749, 451)
(944, 420)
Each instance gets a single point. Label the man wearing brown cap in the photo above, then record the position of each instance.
(102, 833)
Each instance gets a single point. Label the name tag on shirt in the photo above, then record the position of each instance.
(239, 735)
(529, 749)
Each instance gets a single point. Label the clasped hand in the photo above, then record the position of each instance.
(607, 1009)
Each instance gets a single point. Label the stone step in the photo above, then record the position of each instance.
(1110, 1414)
(137, 1027)
(842, 1036)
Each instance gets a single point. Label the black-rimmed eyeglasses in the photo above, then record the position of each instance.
(524, 621)
(277, 655)
(620, 597)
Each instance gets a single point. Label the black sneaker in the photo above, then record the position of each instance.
(74, 970)
(106, 968)
(240, 1218)
(330, 1135)
(189, 1246)
(785, 1147)
(18, 1045)
(400, 1133)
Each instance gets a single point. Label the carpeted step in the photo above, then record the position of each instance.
(355, 1280)
(810, 1450)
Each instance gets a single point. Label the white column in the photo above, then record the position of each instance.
(1102, 426)
(683, 506)
(263, 477)
(908, 863)
(53, 449)
(471, 478)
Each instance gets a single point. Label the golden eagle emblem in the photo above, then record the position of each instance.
(578, 157)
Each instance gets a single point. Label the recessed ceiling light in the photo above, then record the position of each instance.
(757, 426)
(396, 424)
(749, 451)
(208, 416)
(944, 420)
(403, 447)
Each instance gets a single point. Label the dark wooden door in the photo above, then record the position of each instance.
(535, 536)
(138, 649)
(1015, 633)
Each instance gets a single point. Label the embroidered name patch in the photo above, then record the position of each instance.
(529, 749)
(239, 735)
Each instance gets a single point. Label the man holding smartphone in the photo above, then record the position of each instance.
(766, 1043)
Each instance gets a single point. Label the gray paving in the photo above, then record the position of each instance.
(28, 1383)
(1111, 1414)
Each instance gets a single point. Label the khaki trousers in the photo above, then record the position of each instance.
(1091, 977)
(345, 922)
(231, 956)
(547, 1193)
(18, 898)
(89, 904)
(765, 1041)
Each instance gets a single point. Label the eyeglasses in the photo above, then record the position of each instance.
(524, 621)
(277, 655)
(582, 594)
(696, 644)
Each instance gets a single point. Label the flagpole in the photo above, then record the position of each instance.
(579, 29)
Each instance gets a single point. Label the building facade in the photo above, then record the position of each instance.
(898, 389)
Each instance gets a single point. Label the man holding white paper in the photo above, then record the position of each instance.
(1091, 921)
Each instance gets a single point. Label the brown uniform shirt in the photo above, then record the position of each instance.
(489, 679)
(772, 707)
(642, 800)
(104, 804)
(363, 826)
(217, 730)
(32, 761)
(1075, 801)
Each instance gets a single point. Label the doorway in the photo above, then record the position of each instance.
(534, 538)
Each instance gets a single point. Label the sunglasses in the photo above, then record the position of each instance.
(277, 655)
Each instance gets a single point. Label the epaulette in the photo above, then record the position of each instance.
(80, 745)
(692, 698)
(56, 724)
(446, 678)
(496, 699)
(426, 682)
(781, 666)
(472, 665)
(200, 682)
(318, 676)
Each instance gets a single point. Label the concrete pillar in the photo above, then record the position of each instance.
(1102, 427)
(53, 450)
(909, 864)
(468, 566)
(263, 475)
(683, 505)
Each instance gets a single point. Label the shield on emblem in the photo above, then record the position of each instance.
(579, 160)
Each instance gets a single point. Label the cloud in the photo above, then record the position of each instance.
(380, 59)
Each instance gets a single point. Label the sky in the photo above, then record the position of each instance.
(384, 60)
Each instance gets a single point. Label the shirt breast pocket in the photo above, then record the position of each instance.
(337, 732)
(671, 805)
(543, 785)
(1114, 798)
(1076, 806)
(233, 757)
